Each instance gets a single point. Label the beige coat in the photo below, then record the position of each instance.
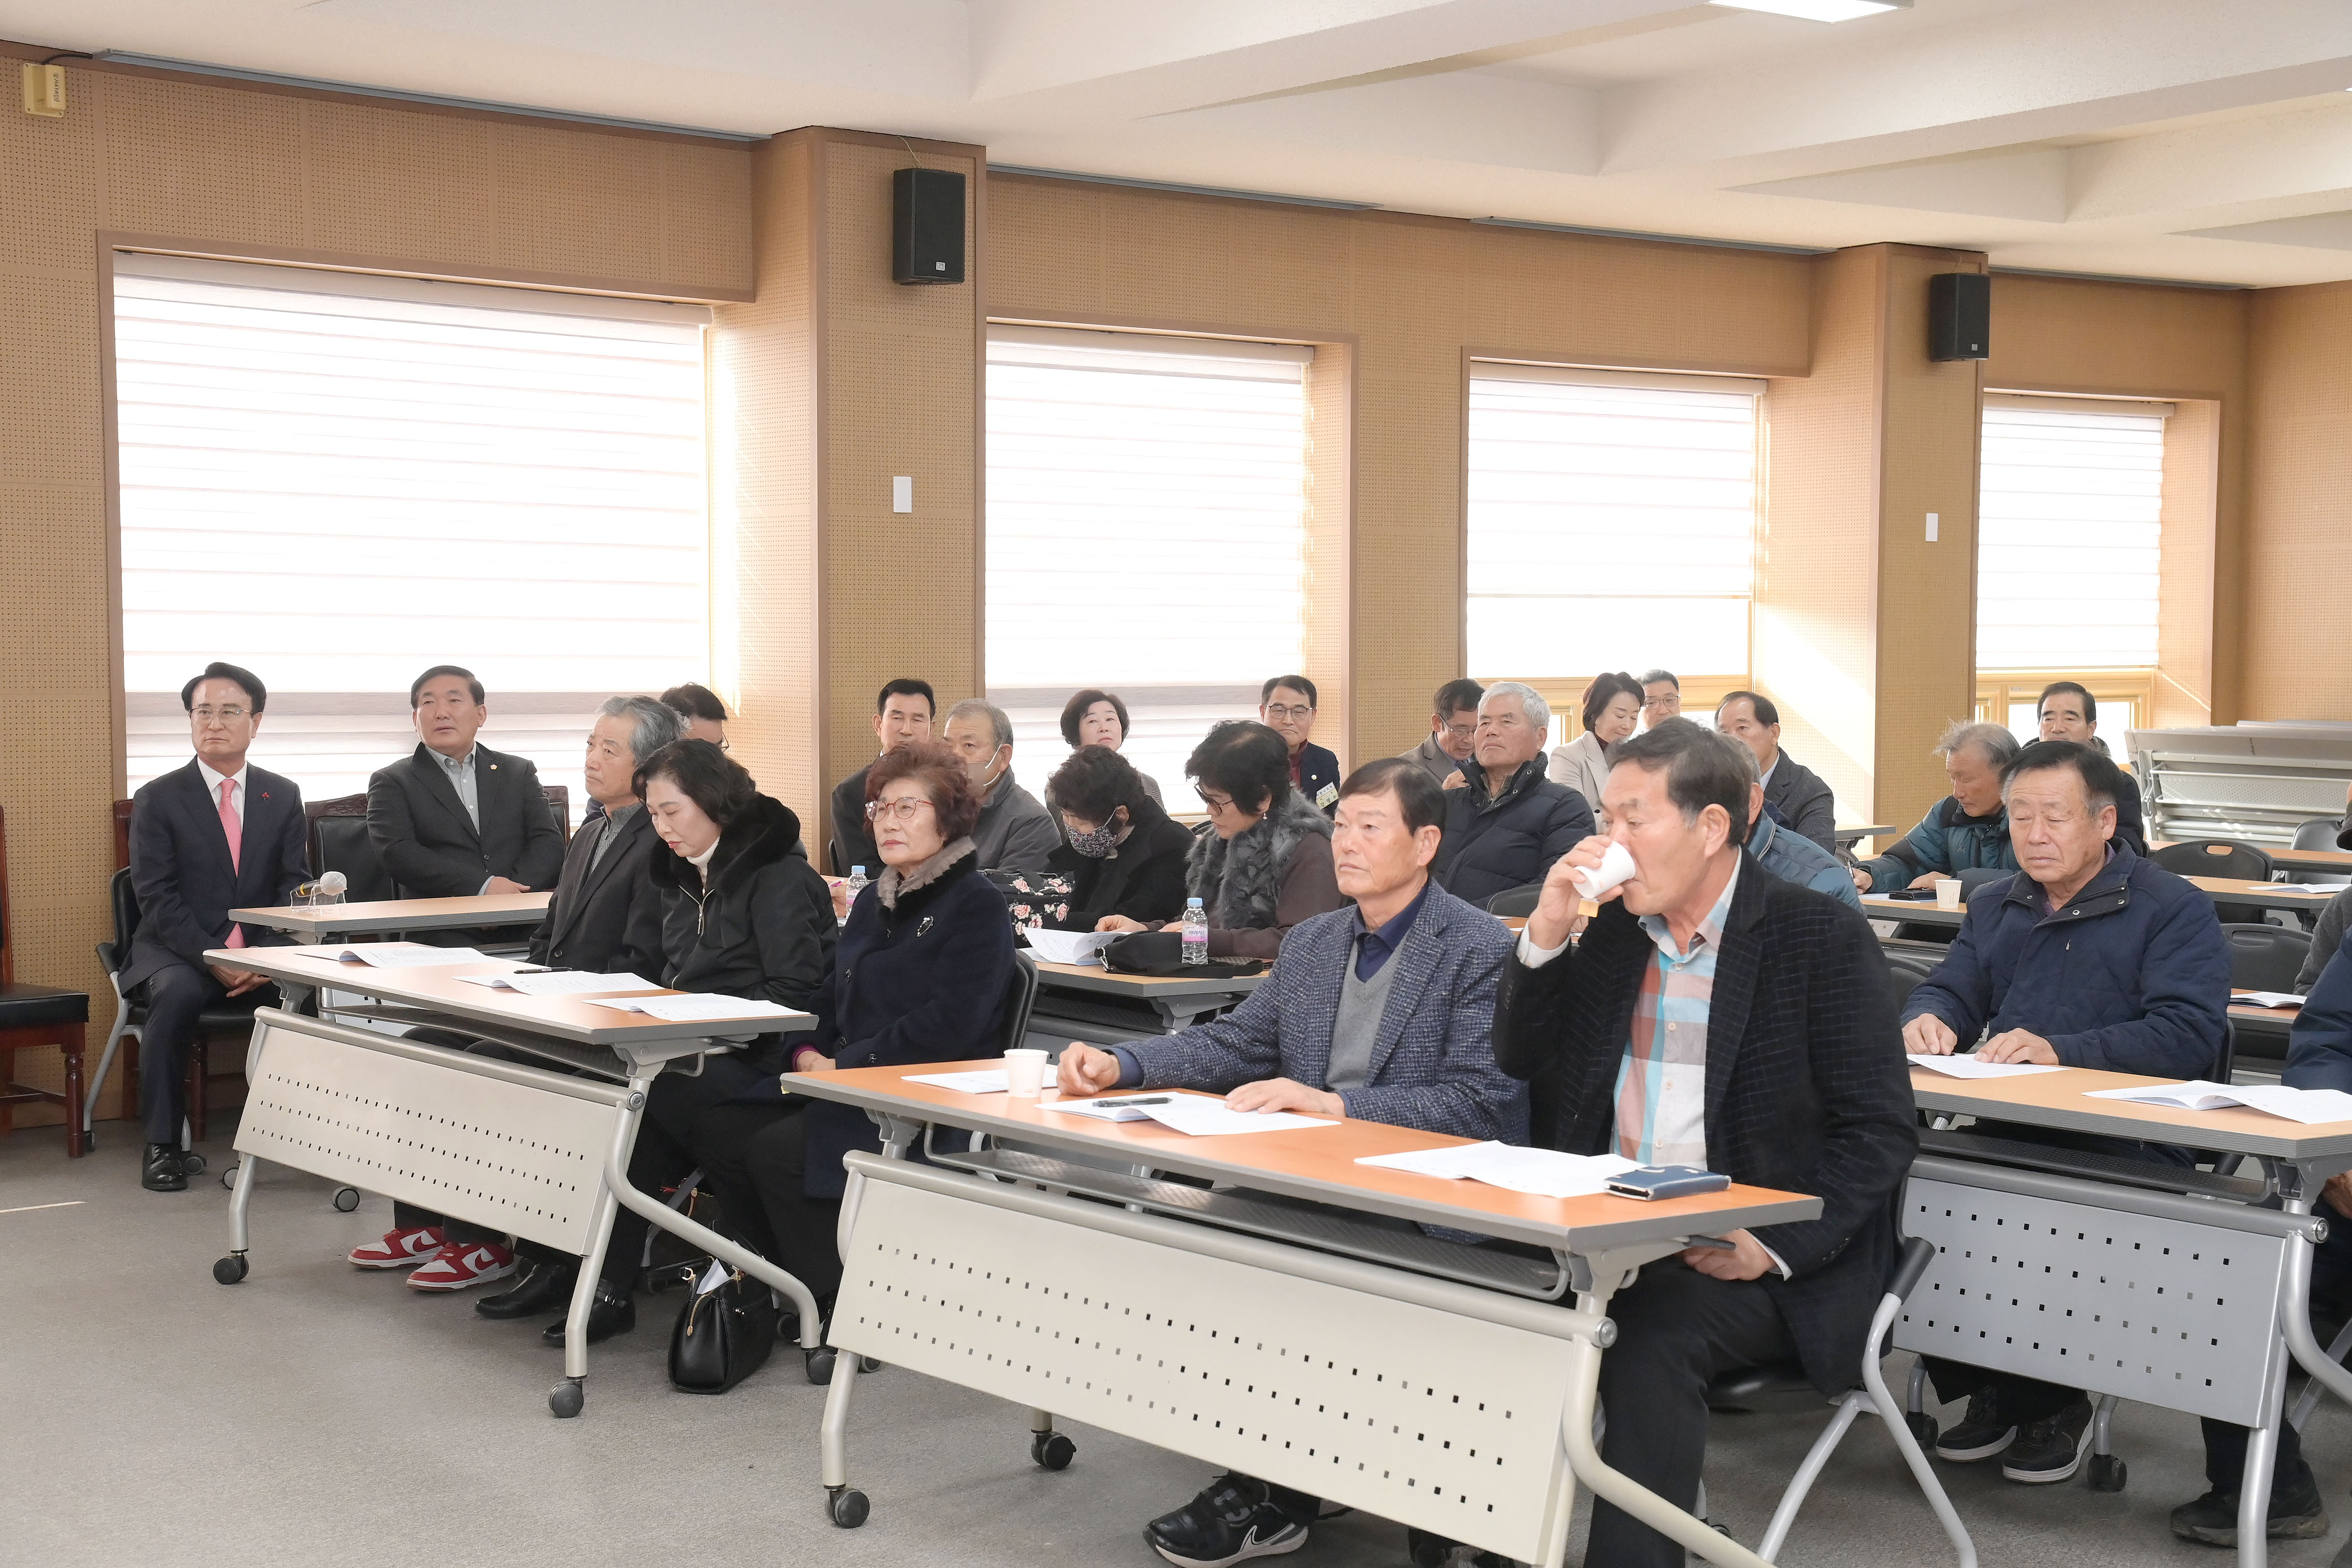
(1583, 766)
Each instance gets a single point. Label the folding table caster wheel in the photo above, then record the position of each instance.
(346, 1199)
(818, 1363)
(566, 1398)
(1924, 1428)
(230, 1269)
(228, 1174)
(2107, 1473)
(1052, 1450)
(846, 1506)
(1428, 1551)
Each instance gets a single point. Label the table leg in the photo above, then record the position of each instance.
(2295, 1315)
(73, 1046)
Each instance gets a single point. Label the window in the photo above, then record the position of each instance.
(1147, 533)
(337, 481)
(1612, 522)
(2068, 534)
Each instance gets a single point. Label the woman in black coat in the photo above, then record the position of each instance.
(1124, 855)
(922, 974)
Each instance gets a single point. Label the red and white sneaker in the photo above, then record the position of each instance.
(463, 1263)
(400, 1249)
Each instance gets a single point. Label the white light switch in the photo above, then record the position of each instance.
(1931, 526)
(902, 497)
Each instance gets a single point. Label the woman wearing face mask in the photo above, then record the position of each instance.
(1612, 706)
(1124, 856)
(1266, 865)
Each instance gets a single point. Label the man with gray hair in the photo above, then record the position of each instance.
(1015, 833)
(1968, 830)
(1509, 823)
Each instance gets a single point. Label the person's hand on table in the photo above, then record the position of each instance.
(1747, 1260)
(1928, 1035)
(1119, 923)
(1926, 879)
(1285, 1094)
(2337, 1193)
(503, 885)
(2019, 1046)
(1559, 907)
(1862, 878)
(1084, 1069)
(237, 981)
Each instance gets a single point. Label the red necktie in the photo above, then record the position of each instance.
(232, 828)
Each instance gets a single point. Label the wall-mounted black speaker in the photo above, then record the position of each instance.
(1959, 315)
(925, 226)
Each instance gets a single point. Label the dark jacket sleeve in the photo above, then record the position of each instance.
(1156, 892)
(2319, 1049)
(1959, 990)
(1309, 888)
(1924, 851)
(392, 829)
(2184, 979)
(1869, 1129)
(165, 917)
(969, 968)
(1811, 810)
(540, 864)
(1028, 845)
(2327, 936)
(796, 944)
(1242, 1046)
(1567, 825)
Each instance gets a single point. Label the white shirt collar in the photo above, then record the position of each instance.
(1765, 778)
(213, 780)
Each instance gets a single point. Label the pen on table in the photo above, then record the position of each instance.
(1155, 1100)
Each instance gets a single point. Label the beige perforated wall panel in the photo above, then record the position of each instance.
(2298, 541)
(239, 170)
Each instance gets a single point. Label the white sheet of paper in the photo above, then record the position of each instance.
(411, 956)
(1200, 1116)
(1069, 946)
(1960, 1066)
(1102, 1110)
(695, 1007)
(2267, 999)
(981, 1080)
(2307, 1106)
(1541, 1173)
(574, 983)
(2197, 1094)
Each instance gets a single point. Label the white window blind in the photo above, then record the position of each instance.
(337, 481)
(2068, 534)
(1612, 522)
(1147, 533)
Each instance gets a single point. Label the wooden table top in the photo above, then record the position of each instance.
(2221, 889)
(1865, 830)
(1094, 977)
(1317, 1163)
(401, 914)
(2058, 1100)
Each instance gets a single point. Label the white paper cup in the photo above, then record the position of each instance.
(1025, 1073)
(1947, 892)
(1616, 868)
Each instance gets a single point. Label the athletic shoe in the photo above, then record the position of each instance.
(463, 1263)
(2051, 1449)
(1231, 1521)
(1978, 1434)
(400, 1249)
(2296, 1513)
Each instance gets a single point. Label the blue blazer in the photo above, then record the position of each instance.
(182, 872)
(1432, 1063)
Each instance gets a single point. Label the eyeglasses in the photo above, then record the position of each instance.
(1461, 731)
(1275, 710)
(900, 810)
(1215, 802)
(207, 713)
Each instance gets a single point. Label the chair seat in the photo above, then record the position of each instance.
(36, 1007)
(1744, 1387)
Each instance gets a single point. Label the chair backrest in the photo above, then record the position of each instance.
(2265, 957)
(558, 806)
(2319, 833)
(339, 842)
(1976, 877)
(122, 836)
(2214, 857)
(1906, 969)
(1515, 902)
(1021, 998)
(124, 898)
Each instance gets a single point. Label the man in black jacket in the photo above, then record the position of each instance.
(2069, 713)
(1713, 1016)
(456, 818)
(1794, 795)
(212, 837)
(903, 712)
(1509, 823)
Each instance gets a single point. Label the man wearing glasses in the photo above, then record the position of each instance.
(1286, 704)
(1452, 727)
(214, 836)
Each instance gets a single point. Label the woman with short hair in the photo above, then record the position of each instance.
(1612, 707)
(1265, 864)
(1124, 855)
(1094, 718)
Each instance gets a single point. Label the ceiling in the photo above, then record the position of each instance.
(2180, 139)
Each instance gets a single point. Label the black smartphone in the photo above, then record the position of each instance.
(1912, 895)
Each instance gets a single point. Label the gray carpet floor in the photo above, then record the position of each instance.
(320, 1414)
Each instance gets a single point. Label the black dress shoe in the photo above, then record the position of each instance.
(544, 1286)
(163, 1172)
(610, 1315)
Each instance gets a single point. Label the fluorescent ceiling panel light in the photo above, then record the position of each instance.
(1817, 10)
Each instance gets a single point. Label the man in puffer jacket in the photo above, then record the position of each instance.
(1967, 830)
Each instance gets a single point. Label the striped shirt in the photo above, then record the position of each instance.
(1662, 1083)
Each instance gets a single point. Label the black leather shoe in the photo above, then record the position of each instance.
(611, 1315)
(543, 1287)
(163, 1172)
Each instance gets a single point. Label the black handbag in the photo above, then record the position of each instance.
(1161, 953)
(723, 1334)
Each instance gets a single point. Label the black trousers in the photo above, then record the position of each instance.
(666, 1154)
(2331, 1301)
(1677, 1330)
(755, 1158)
(176, 995)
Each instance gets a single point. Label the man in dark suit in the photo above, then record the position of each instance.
(214, 836)
(456, 818)
(1713, 1016)
(1287, 705)
(903, 712)
(1795, 796)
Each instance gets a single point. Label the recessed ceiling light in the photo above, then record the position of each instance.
(1820, 10)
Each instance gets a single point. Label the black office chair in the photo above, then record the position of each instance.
(339, 842)
(1907, 969)
(1022, 1001)
(2319, 833)
(128, 1015)
(2265, 957)
(1515, 903)
(2219, 857)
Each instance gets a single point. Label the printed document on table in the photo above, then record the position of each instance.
(2267, 999)
(1069, 946)
(694, 1007)
(396, 954)
(560, 983)
(2307, 1106)
(1960, 1066)
(1197, 1115)
(1540, 1172)
(982, 1080)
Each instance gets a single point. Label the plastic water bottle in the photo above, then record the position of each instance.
(853, 887)
(1196, 932)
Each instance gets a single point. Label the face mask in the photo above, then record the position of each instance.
(1096, 845)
